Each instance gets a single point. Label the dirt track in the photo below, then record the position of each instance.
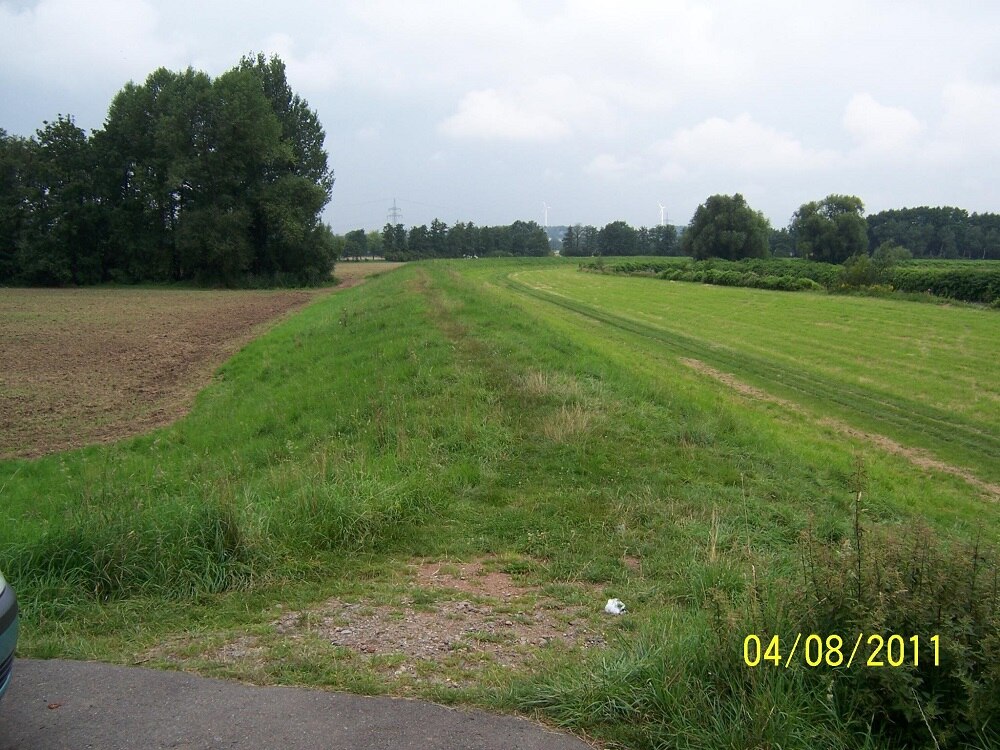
(84, 366)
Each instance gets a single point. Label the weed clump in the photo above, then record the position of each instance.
(924, 613)
(942, 600)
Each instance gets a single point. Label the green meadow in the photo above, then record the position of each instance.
(552, 421)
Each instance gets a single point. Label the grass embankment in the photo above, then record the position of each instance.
(438, 413)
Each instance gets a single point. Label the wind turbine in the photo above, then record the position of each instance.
(545, 208)
(663, 214)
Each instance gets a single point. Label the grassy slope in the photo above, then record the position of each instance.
(433, 412)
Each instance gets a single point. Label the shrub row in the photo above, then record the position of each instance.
(748, 279)
(971, 284)
(631, 267)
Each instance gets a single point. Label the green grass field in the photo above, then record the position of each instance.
(924, 374)
(551, 421)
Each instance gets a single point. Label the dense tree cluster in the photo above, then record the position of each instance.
(831, 230)
(191, 179)
(943, 232)
(618, 238)
(724, 226)
(463, 239)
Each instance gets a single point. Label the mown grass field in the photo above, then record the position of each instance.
(923, 374)
(549, 423)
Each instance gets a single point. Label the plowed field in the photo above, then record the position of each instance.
(80, 366)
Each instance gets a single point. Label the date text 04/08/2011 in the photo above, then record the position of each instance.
(815, 650)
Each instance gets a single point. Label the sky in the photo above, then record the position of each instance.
(487, 112)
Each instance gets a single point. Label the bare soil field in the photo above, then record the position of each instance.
(83, 366)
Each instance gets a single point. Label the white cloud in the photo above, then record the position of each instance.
(66, 43)
(881, 130)
(741, 144)
(609, 167)
(489, 114)
(971, 121)
(549, 108)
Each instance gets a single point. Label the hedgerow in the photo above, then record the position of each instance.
(968, 282)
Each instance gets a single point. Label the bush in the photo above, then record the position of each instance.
(770, 282)
(881, 583)
(975, 283)
(859, 271)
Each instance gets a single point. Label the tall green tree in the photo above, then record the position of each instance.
(617, 238)
(218, 232)
(571, 242)
(153, 154)
(17, 159)
(418, 242)
(394, 242)
(295, 185)
(438, 239)
(724, 226)
(588, 241)
(374, 244)
(300, 125)
(528, 238)
(831, 230)
(60, 241)
(355, 244)
(462, 240)
(664, 240)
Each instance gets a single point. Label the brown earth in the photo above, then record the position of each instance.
(448, 624)
(463, 611)
(83, 366)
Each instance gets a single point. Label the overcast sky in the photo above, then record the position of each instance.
(482, 111)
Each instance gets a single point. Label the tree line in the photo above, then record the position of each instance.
(943, 232)
(618, 238)
(835, 229)
(522, 238)
(194, 179)
(830, 230)
(461, 240)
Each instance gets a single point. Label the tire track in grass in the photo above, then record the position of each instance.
(936, 427)
(917, 456)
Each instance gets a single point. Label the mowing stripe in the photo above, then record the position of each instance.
(936, 427)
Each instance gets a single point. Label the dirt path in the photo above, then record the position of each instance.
(84, 366)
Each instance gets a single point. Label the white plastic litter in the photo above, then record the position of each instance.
(614, 607)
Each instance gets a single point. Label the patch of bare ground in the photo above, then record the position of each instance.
(351, 273)
(84, 366)
(450, 624)
(462, 617)
(917, 456)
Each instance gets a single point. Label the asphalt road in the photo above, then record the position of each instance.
(65, 705)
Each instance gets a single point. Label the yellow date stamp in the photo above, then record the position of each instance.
(874, 650)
